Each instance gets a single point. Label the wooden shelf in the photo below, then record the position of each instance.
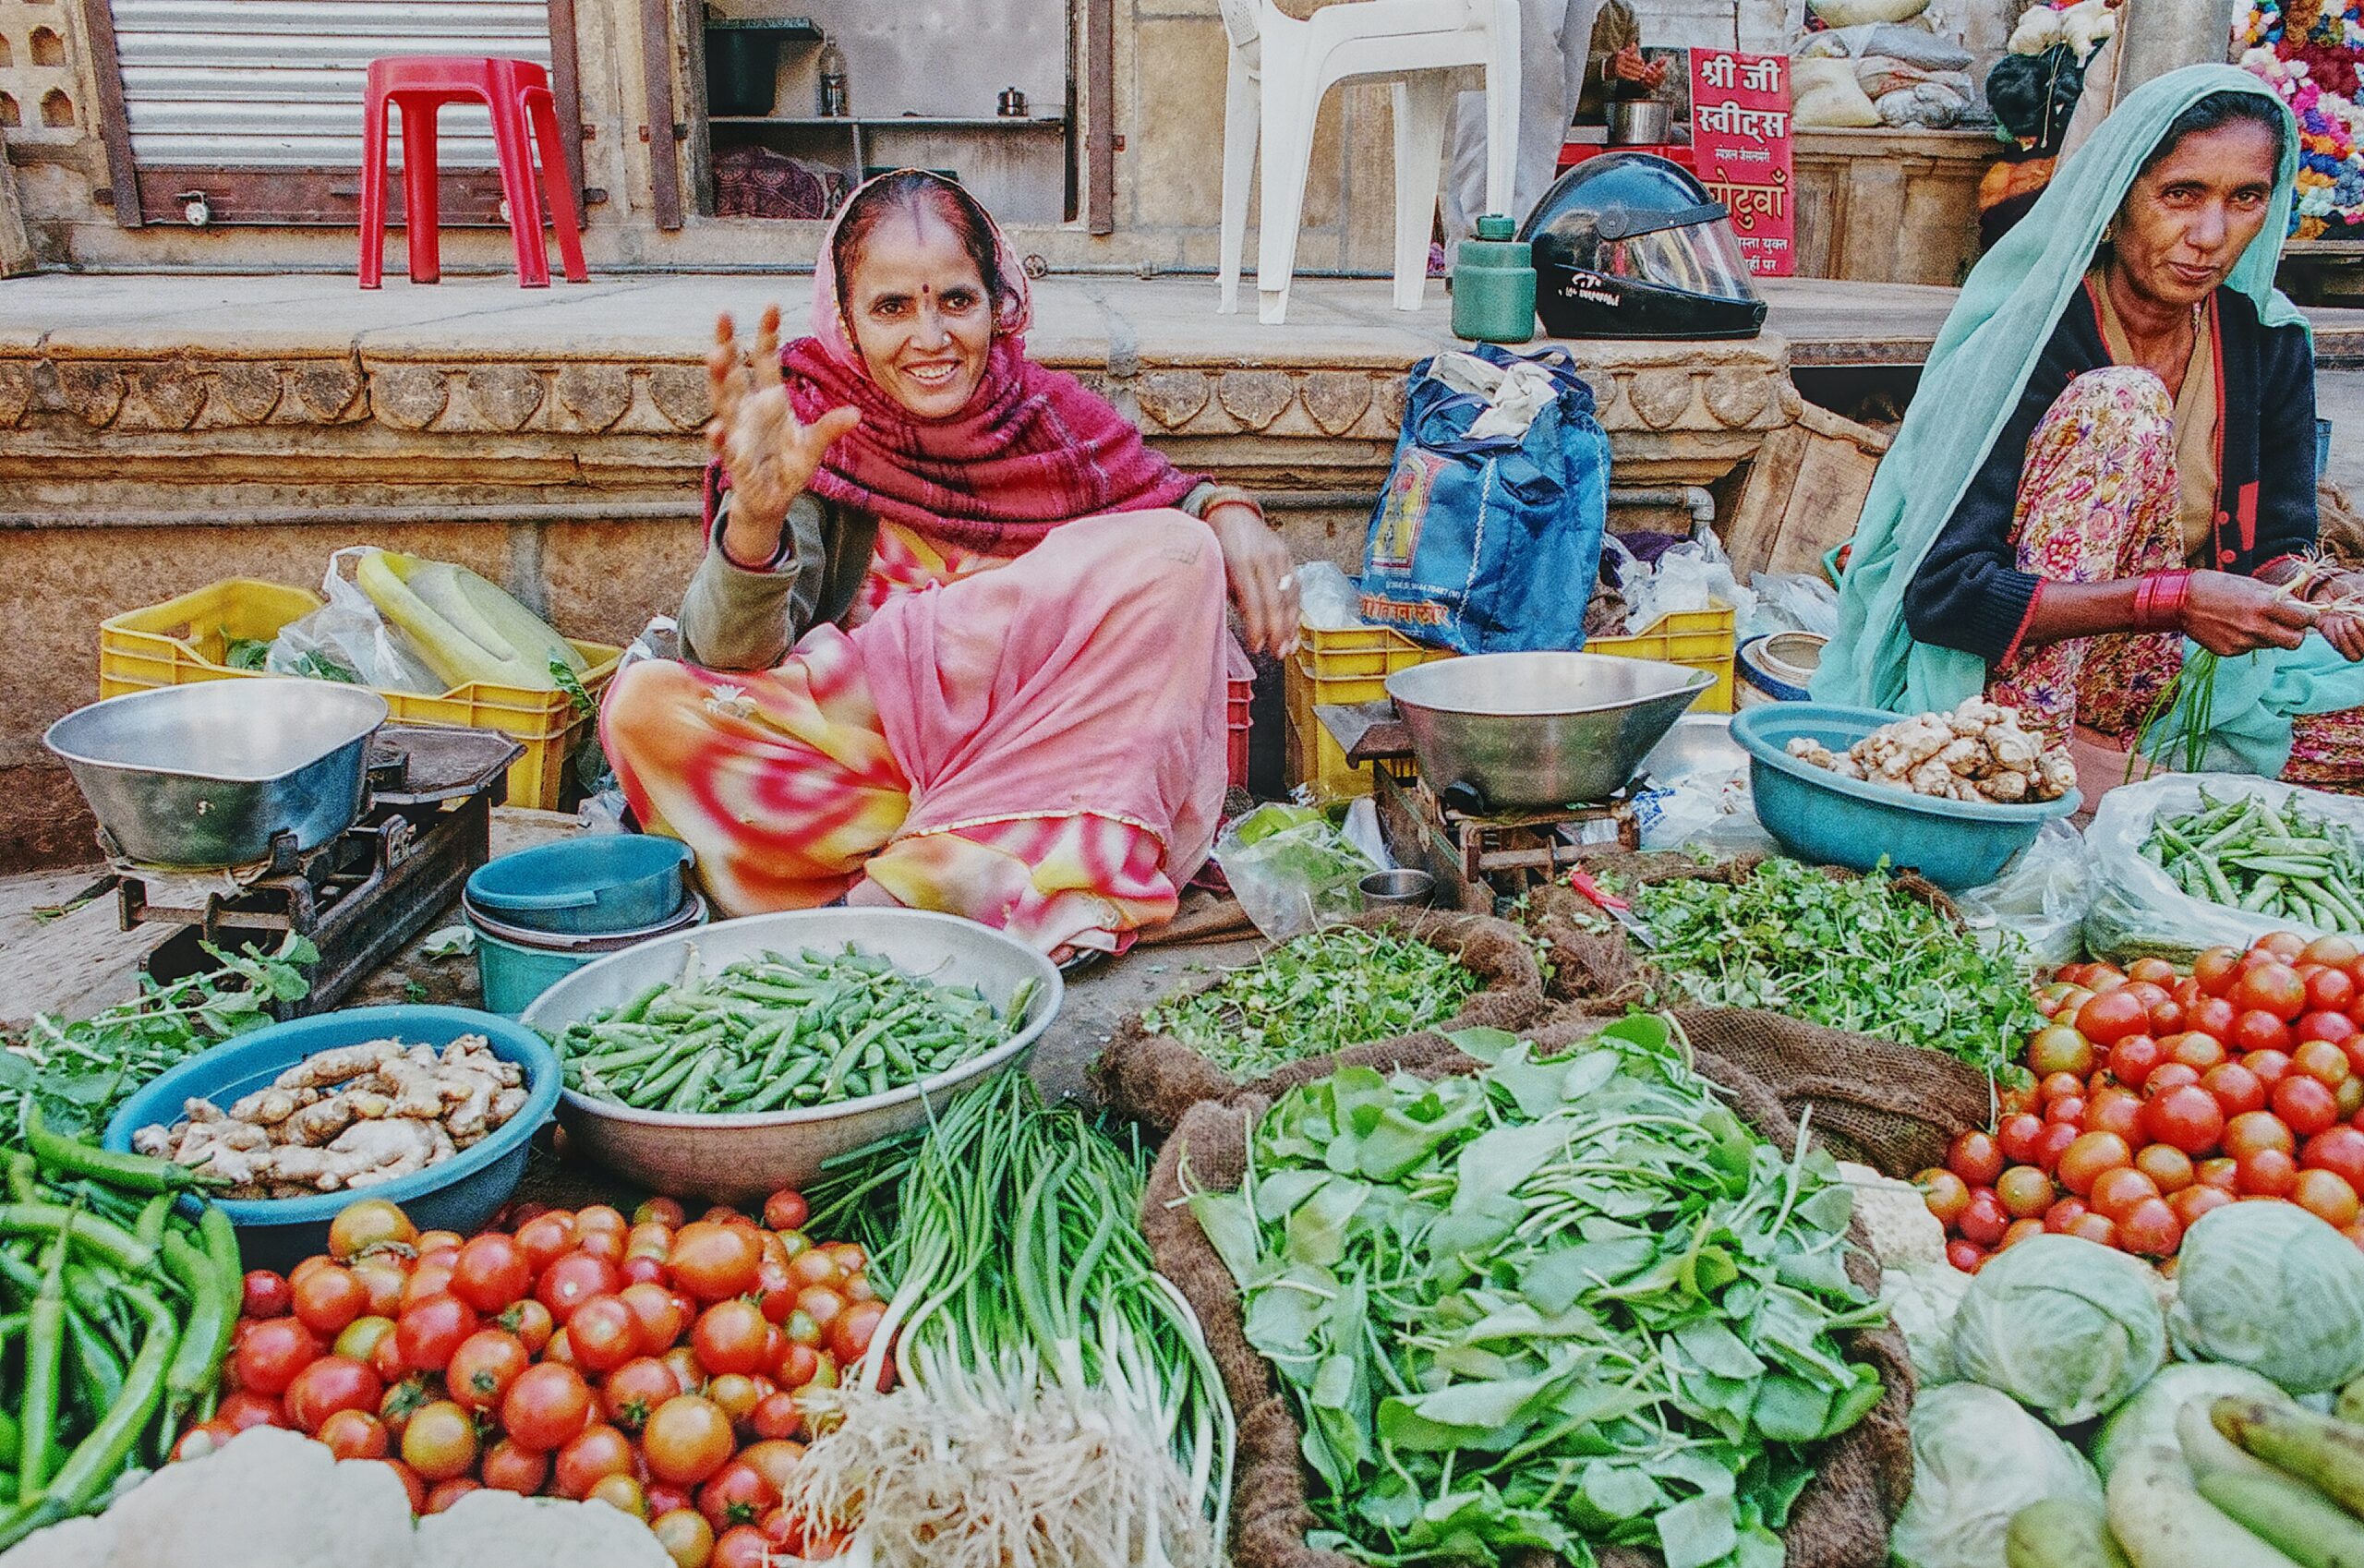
(897, 122)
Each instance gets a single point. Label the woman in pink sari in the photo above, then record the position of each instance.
(957, 640)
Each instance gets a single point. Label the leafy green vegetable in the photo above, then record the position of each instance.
(1565, 1302)
(1852, 953)
(244, 653)
(2067, 1327)
(80, 1072)
(1292, 871)
(1316, 993)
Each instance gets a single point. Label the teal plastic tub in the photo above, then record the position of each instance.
(515, 965)
(461, 1194)
(1816, 815)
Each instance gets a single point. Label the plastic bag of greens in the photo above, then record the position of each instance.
(2068, 1328)
(348, 640)
(2271, 1287)
(1291, 871)
(2140, 910)
(1977, 1460)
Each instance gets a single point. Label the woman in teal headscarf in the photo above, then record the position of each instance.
(2112, 451)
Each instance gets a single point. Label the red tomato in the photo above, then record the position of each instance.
(2151, 1229)
(622, 1492)
(738, 1494)
(429, 1330)
(649, 1239)
(428, 1276)
(2270, 1065)
(2221, 1172)
(329, 1299)
(600, 1218)
(666, 1212)
(635, 1390)
(546, 1238)
(440, 1441)
(776, 1416)
(2327, 1196)
(510, 1467)
(354, 1434)
(798, 1364)
(2151, 971)
(483, 1368)
(2060, 1086)
(2195, 1200)
(2118, 1110)
(2095, 1228)
(2066, 1111)
(2194, 1049)
(2167, 1076)
(247, 1408)
(644, 1269)
(274, 1352)
(2117, 1190)
(531, 1322)
(327, 1386)
(368, 1224)
(2082, 1162)
(2304, 1105)
(1983, 1221)
(2113, 1015)
(822, 1303)
(414, 1488)
(384, 1276)
(2212, 1015)
(573, 1280)
(608, 1245)
(545, 1407)
(2055, 1141)
(1967, 1255)
(2257, 1029)
(687, 1440)
(597, 1452)
(2170, 1167)
(2284, 945)
(446, 1493)
(2062, 1213)
(659, 1315)
(604, 1333)
(2271, 988)
(2132, 1057)
(2267, 1173)
(849, 1336)
(2214, 970)
(2244, 1135)
(736, 1393)
(266, 1294)
(403, 1400)
(2339, 1149)
(492, 1272)
(730, 1337)
(2235, 1087)
(742, 1546)
(2324, 1061)
(786, 1210)
(2186, 1117)
(2331, 991)
(714, 1261)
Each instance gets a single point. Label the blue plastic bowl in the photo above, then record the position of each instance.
(460, 1194)
(602, 883)
(1816, 815)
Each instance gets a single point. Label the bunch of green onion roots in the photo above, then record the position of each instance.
(1049, 1397)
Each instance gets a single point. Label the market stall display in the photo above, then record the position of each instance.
(2156, 1094)
(2154, 844)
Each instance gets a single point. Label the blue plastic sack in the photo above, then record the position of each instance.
(1489, 545)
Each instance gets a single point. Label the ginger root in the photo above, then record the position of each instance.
(349, 1118)
(1979, 752)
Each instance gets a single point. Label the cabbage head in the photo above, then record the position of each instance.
(2068, 1328)
(2147, 1422)
(1977, 1460)
(1922, 1299)
(2271, 1287)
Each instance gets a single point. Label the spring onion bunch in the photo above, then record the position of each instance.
(1027, 1321)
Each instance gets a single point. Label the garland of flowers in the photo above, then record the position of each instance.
(2308, 50)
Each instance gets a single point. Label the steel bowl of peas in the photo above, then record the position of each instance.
(728, 1062)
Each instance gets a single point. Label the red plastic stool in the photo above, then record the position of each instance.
(518, 93)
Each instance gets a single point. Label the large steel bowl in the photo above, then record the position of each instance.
(733, 1158)
(208, 774)
(1529, 731)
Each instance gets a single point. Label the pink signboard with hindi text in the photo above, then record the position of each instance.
(1740, 137)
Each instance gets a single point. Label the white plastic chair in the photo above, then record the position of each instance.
(1280, 69)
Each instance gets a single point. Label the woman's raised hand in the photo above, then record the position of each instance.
(769, 454)
(2231, 615)
(1262, 576)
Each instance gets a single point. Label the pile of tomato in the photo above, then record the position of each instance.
(2158, 1095)
(655, 1364)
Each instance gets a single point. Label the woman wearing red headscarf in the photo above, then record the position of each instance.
(957, 641)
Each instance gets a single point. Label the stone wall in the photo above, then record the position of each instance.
(1170, 61)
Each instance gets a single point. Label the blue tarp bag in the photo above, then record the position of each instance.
(1490, 543)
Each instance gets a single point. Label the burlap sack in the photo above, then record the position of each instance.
(1841, 1521)
(1155, 1078)
(1593, 963)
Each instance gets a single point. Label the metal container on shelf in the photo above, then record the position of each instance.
(1640, 122)
(1540, 730)
(211, 774)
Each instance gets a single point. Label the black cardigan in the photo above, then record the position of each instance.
(1969, 593)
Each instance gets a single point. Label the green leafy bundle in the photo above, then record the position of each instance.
(1855, 953)
(1314, 994)
(1562, 1303)
(79, 1072)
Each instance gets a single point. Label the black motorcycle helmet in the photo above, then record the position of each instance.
(1631, 245)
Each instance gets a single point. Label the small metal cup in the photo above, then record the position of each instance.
(1394, 889)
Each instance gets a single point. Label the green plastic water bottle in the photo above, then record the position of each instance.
(1493, 284)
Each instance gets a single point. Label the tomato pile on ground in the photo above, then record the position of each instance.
(653, 1364)
(2160, 1095)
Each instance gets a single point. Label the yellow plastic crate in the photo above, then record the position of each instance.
(1342, 668)
(187, 639)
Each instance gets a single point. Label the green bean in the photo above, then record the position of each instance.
(213, 1316)
(100, 1457)
(71, 1157)
(692, 1094)
(96, 1365)
(12, 1441)
(45, 1363)
(101, 1238)
(637, 1008)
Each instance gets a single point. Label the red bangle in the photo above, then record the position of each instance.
(2159, 599)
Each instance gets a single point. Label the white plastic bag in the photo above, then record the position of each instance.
(347, 634)
(1791, 601)
(1291, 871)
(2138, 909)
(1695, 575)
(1326, 598)
(2043, 897)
